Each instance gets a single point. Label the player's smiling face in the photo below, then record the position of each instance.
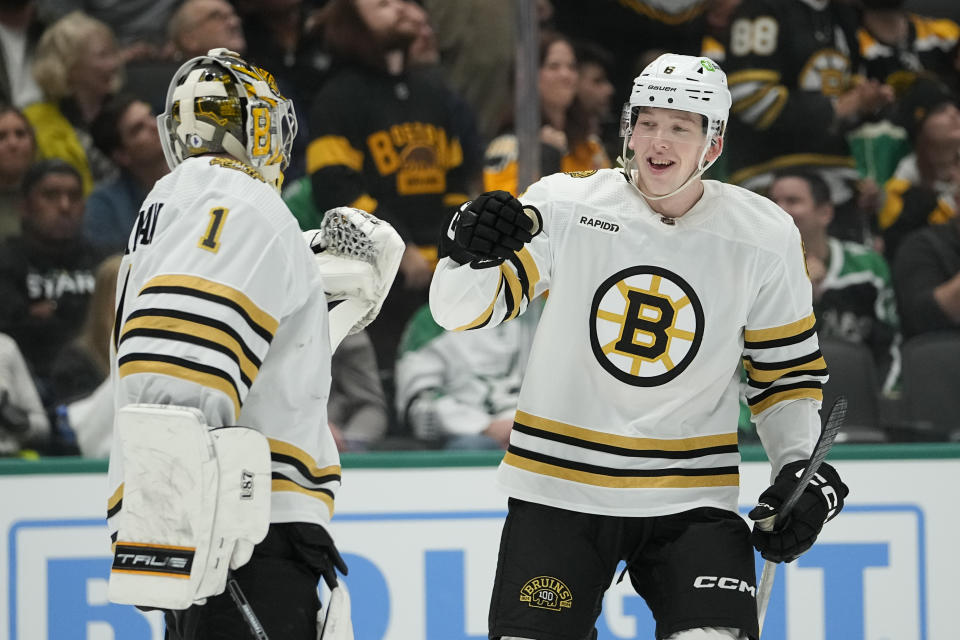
(666, 144)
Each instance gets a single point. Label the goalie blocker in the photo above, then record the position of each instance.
(195, 502)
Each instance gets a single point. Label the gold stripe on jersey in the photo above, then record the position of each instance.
(934, 31)
(765, 372)
(773, 111)
(200, 375)
(791, 160)
(893, 202)
(241, 353)
(765, 76)
(778, 333)
(513, 290)
(484, 317)
(260, 320)
(366, 203)
(330, 151)
(114, 502)
(625, 442)
(775, 395)
(751, 99)
(530, 269)
(621, 482)
(283, 484)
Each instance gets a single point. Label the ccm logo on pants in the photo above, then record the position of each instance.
(732, 584)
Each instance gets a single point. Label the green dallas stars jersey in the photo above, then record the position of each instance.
(858, 305)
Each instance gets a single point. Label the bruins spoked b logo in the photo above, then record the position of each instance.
(545, 592)
(646, 324)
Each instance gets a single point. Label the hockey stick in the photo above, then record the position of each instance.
(246, 610)
(838, 413)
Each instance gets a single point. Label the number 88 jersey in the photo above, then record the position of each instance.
(786, 62)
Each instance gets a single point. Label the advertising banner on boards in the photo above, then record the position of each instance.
(421, 544)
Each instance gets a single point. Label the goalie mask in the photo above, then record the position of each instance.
(218, 103)
(685, 83)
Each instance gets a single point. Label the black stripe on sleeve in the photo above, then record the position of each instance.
(116, 509)
(806, 384)
(119, 318)
(780, 342)
(784, 364)
(302, 468)
(507, 297)
(790, 374)
(279, 476)
(522, 274)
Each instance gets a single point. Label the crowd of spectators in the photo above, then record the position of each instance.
(845, 113)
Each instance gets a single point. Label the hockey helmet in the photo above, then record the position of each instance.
(686, 83)
(218, 103)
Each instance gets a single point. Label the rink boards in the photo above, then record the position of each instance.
(420, 534)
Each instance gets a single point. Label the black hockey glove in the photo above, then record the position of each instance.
(820, 502)
(490, 229)
(318, 551)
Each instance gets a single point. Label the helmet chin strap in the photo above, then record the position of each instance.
(634, 173)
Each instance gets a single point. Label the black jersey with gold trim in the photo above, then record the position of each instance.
(220, 307)
(630, 400)
(390, 145)
(786, 61)
(930, 47)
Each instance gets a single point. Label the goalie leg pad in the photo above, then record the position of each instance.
(190, 494)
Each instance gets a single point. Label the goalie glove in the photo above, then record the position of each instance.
(490, 229)
(358, 256)
(820, 502)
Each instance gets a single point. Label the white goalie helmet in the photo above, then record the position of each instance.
(686, 83)
(219, 103)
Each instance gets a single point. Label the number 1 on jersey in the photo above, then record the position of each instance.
(211, 238)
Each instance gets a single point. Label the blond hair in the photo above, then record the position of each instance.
(57, 52)
(94, 339)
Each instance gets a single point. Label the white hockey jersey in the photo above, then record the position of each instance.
(220, 306)
(629, 405)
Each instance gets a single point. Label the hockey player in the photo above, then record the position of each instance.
(625, 440)
(222, 320)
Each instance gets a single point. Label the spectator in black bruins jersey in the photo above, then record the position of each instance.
(566, 143)
(47, 272)
(925, 185)
(385, 140)
(852, 290)
(795, 95)
(896, 44)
